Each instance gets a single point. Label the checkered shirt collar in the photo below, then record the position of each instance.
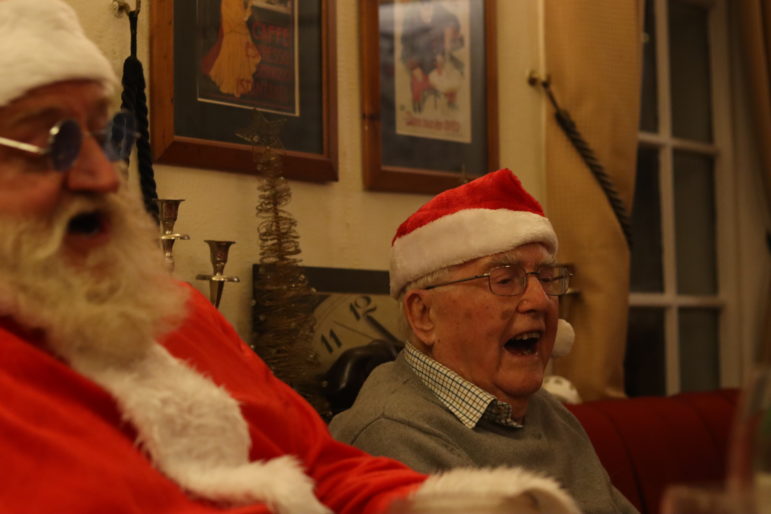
(466, 401)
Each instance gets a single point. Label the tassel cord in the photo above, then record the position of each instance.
(570, 129)
(134, 100)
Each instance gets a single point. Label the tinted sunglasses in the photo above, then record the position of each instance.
(66, 137)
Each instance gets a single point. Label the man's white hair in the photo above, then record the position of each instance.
(434, 277)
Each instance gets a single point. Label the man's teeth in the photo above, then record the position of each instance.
(527, 335)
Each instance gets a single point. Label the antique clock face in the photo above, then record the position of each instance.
(346, 320)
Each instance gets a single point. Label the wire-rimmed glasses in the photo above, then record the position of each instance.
(512, 280)
(66, 137)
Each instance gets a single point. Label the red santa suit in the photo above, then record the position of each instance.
(194, 423)
(65, 447)
(157, 437)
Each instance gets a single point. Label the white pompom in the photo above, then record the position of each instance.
(563, 343)
(562, 388)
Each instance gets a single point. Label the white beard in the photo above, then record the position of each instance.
(110, 306)
(102, 316)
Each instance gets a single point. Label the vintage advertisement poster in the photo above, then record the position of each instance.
(251, 61)
(432, 70)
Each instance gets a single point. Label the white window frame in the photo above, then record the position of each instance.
(727, 243)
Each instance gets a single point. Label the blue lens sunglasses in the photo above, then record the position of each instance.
(66, 137)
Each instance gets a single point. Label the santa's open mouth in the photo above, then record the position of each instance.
(523, 344)
(86, 224)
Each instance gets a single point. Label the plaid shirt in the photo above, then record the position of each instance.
(469, 403)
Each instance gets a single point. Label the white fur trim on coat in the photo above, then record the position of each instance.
(463, 236)
(42, 42)
(545, 495)
(195, 434)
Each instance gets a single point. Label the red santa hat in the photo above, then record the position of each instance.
(42, 42)
(486, 216)
(489, 215)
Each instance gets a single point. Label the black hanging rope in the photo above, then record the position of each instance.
(590, 159)
(134, 100)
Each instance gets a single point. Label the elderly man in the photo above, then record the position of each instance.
(476, 274)
(124, 391)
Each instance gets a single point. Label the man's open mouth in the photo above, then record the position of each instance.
(523, 344)
(86, 223)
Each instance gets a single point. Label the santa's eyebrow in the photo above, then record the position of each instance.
(45, 115)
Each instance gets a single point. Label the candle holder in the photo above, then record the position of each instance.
(167, 214)
(219, 256)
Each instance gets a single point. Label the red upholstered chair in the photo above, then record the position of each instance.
(649, 443)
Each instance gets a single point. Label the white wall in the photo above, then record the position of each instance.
(340, 224)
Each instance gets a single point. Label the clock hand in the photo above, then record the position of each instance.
(380, 328)
(368, 336)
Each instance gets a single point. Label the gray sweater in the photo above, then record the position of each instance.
(397, 416)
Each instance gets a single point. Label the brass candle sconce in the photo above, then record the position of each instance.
(217, 280)
(168, 211)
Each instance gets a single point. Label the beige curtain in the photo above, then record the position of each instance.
(755, 23)
(593, 51)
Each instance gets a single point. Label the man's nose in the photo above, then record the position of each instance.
(92, 171)
(534, 296)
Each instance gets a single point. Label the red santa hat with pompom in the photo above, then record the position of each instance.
(489, 215)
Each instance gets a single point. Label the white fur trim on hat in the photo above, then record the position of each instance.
(42, 42)
(463, 236)
(542, 494)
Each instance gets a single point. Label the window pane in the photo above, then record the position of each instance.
(649, 107)
(646, 264)
(689, 71)
(695, 223)
(645, 366)
(699, 355)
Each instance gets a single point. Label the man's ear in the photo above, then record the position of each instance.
(417, 311)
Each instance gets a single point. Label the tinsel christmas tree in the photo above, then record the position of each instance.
(283, 296)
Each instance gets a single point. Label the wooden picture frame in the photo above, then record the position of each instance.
(195, 124)
(406, 147)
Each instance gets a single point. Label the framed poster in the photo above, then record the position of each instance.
(213, 62)
(429, 93)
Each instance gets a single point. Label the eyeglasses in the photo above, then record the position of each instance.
(66, 137)
(512, 280)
